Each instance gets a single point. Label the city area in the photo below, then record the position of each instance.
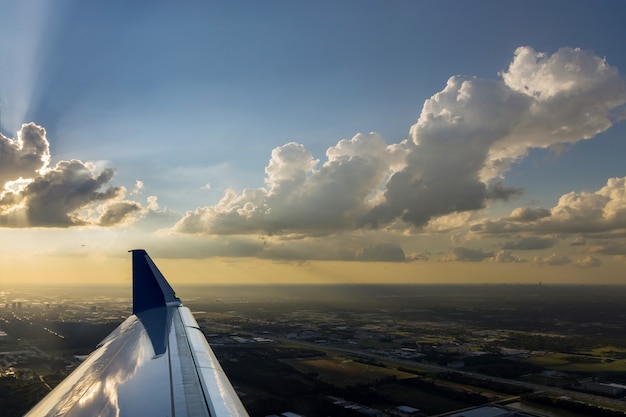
(355, 350)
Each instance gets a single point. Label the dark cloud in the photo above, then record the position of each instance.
(528, 214)
(54, 198)
(116, 213)
(497, 191)
(381, 253)
(607, 247)
(69, 194)
(467, 255)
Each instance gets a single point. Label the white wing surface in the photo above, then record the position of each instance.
(156, 363)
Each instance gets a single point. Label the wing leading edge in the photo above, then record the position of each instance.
(156, 363)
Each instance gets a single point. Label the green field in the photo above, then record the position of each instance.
(578, 363)
(608, 352)
(343, 372)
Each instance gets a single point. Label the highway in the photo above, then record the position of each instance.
(612, 403)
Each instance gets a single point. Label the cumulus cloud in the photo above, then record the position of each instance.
(588, 262)
(505, 256)
(300, 197)
(36, 195)
(573, 95)
(606, 247)
(552, 260)
(25, 156)
(461, 146)
(469, 133)
(602, 211)
(118, 212)
(467, 255)
(138, 188)
(528, 214)
(620, 258)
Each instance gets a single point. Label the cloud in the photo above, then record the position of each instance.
(607, 248)
(68, 194)
(620, 258)
(573, 95)
(552, 260)
(299, 197)
(600, 211)
(460, 148)
(25, 156)
(117, 212)
(528, 214)
(138, 187)
(596, 212)
(529, 243)
(53, 198)
(470, 132)
(467, 255)
(382, 253)
(504, 256)
(588, 262)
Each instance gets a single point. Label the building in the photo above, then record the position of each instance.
(407, 411)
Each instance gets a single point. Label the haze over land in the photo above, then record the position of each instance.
(279, 142)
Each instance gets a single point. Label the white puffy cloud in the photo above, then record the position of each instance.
(138, 187)
(552, 260)
(602, 211)
(71, 193)
(469, 133)
(588, 262)
(301, 198)
(462, 144)
(505, 256)
(573, 95)
(25, 156)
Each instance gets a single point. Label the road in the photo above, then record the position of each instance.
(612, 403)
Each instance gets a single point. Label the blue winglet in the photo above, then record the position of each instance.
(150, 288)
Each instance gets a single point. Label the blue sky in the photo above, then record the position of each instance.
(192, 98)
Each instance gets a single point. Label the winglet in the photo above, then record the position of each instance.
(150, 288)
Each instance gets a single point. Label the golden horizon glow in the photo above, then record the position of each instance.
(92, 271)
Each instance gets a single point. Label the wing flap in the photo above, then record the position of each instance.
(220, 394)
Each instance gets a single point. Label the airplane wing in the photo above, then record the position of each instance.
(156, 363)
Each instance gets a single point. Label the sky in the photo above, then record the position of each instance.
(313, 142)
